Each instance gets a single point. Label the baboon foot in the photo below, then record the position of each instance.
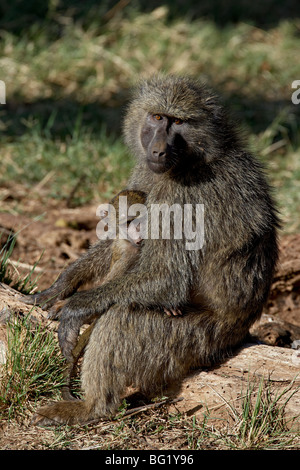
(64, 412)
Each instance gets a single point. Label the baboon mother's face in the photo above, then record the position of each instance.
(163, 139)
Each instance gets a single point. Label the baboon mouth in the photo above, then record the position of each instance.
(157, 167)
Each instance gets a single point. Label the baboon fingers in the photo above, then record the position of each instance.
(167, 312)
(54, 312)
(67, 395)
(67, 338)
(39, 419)
(27, 299)
(42, 299)
(177, 312)
(172, 312)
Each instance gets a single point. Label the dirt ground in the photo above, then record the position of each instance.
(53, 235)
(48, 232)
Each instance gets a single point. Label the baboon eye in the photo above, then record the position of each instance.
(178, 121)
(158, 117)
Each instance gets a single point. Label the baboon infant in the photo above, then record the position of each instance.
(188, 154)
(124, 253)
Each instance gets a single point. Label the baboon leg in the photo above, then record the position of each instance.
(92, 266)
(102, 382)
(66, 389)
(71, 410)
(141, 348)
(62, 412)
(76, 353)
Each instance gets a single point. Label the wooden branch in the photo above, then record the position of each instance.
(11, 304)
(219, 392)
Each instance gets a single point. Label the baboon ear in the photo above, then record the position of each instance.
(211, 105)
(218, 114)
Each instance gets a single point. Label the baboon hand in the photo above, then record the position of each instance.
(173, 312)
(68, 332)
(44, 299)
(55, 311)
(72, 316)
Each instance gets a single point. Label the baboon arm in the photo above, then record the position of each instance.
(93, 265)
(160, 289)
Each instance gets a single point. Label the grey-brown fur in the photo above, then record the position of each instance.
(124, 255)
(221, 288)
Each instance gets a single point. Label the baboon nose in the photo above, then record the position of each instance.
(159, 154)
(159, 151)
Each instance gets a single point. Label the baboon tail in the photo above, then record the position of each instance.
(63, 412)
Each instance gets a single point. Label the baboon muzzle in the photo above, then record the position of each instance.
(158, 160)
(159, 152)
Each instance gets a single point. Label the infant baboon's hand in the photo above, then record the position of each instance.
(173, 312)
(44, 299)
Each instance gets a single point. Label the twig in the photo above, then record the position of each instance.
(115, 9)
(17, 264)
(273, 147)
(75, 189)
(43, 182)
(140, 409)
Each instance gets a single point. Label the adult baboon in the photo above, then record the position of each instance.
(188, 152)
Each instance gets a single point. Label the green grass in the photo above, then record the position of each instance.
(68, 77)
(24, 284)
(261, 423)
(82, 164)
(33, 367)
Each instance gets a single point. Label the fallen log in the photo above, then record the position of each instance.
(219, 392)
(11, 305)
(274, 331)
